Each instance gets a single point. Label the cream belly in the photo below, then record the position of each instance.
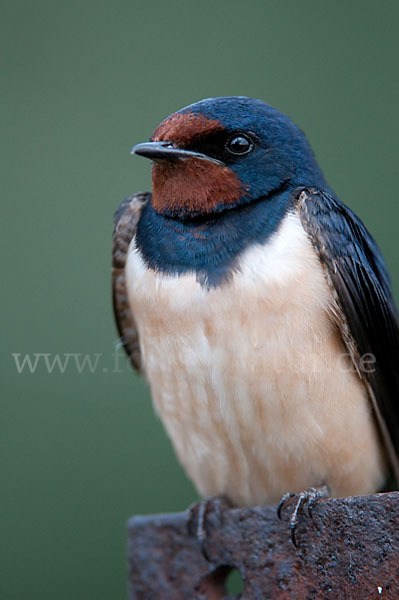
(251, 379)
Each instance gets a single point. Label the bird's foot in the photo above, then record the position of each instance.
(306, 498)
(205, 516)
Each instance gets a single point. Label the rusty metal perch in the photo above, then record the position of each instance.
(349, 549)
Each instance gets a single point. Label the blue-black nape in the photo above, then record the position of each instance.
(282, 152)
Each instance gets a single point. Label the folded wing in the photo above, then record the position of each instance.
(125, 224)
(369, 322)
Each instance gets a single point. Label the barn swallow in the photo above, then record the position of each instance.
(259, 309)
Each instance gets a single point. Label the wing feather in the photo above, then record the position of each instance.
(356, 269)
(125, 224)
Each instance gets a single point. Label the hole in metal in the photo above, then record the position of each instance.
(225, 583)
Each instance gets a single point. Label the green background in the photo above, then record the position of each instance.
(82, 82)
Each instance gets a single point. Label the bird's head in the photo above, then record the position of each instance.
(220, 153)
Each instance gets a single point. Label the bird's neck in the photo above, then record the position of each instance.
(208, 246)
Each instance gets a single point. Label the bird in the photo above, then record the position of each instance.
(259, 309)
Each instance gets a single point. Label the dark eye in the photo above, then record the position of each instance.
(239, 144)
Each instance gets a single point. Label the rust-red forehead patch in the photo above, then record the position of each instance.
(184, 127)
(191, 186)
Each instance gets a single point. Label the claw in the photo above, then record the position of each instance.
(283, 502)
(308, 498)
(205, 515)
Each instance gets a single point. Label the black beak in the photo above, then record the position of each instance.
(166, 151)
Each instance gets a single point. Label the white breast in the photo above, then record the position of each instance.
(251, 378)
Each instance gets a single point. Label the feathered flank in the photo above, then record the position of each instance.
(356, 269)
(125, 224)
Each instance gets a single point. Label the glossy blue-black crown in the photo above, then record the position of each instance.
(282, 153)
